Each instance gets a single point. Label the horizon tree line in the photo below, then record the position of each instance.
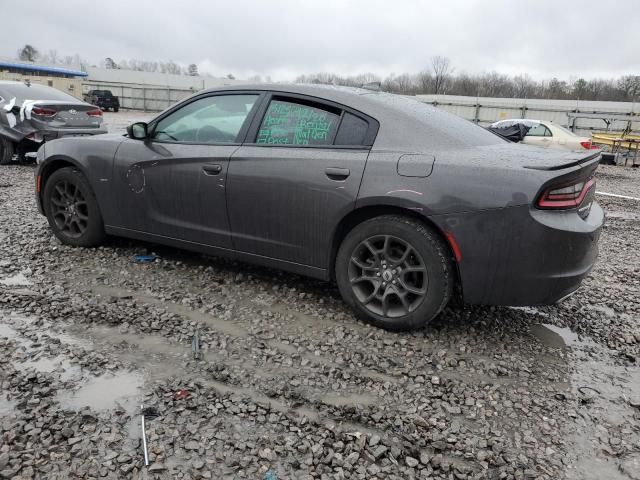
(438, 78)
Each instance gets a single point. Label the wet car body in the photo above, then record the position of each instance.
(291, 207)
(31, 114)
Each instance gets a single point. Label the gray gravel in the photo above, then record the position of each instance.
(291, 385)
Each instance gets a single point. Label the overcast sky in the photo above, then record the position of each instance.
(283, 38)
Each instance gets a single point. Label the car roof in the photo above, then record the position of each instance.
(21, 91)
(406, 124)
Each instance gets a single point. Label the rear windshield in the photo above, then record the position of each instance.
(439, 123)
(22, 92)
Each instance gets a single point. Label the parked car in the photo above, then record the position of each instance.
(402, 204)
(103, 99)
(541, 134)
(31, 114)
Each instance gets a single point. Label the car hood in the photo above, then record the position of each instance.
(104, 145)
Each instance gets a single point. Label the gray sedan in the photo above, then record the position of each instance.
(31, 114)
(401, 204)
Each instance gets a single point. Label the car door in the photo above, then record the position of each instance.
(173, 184)
(296, 176)
(539, 135)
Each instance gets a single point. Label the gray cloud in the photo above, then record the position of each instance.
(284, 38)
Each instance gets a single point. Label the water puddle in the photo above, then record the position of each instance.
(57, 365)
(348, 400)
(105, 393)
(553, 336)
(17, 280)
(7, 407)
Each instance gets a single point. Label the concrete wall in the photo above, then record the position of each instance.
(488, 110)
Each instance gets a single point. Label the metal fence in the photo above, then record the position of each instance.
(145, 98)
(581, 117)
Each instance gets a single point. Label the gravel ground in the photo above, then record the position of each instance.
(290, 384)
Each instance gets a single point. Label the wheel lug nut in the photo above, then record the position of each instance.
(377, 274)
(394, 282)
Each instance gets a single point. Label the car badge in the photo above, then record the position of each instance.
(73, 112)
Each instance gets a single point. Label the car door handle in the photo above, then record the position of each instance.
(337, 173)
(212, 169)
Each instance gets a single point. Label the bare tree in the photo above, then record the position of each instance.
(51, 56)
(441, 67)
(630, 86)
(28, 53)
(580, 89)
(524, 86)
(193, 70)
(424, 81)
(405, 84)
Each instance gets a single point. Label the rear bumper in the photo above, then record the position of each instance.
(48, 135)
(521, 256)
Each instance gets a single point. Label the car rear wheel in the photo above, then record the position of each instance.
(6, 151)
(72, 209)
(395, 272)
(115, 109)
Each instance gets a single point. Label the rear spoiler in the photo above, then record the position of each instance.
(562, 166)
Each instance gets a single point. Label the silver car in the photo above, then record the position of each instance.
(31, 114)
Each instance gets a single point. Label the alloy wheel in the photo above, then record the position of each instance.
(388, 276)
(70, 209)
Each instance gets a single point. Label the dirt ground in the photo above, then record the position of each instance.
(290, 384)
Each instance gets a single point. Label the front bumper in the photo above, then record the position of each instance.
(522, 256)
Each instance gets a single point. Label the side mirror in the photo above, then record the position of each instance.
(137, 130)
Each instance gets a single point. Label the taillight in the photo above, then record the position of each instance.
(43, 112)
(95, 113)
(586, 144)
(566, 195)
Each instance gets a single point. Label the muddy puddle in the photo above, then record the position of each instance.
(58, 365)
(349, 400)
(553, 336)
(106, 392)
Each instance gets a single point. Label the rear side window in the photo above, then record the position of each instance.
(292, 123)
(353, 130)
(539, 131)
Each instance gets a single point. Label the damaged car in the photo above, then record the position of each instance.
(401, 204)
(31, 114)
(540, 134)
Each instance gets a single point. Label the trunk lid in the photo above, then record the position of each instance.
(67, 115)
(535, 158)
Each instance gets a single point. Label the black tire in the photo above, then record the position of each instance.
(417, 260)
(6, 151)
(115, 109)
(72, 209)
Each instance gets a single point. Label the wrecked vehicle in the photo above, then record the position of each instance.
(400, 203)
(31, 114)
(540, 134)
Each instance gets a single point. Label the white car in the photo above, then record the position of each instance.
(545, 134)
